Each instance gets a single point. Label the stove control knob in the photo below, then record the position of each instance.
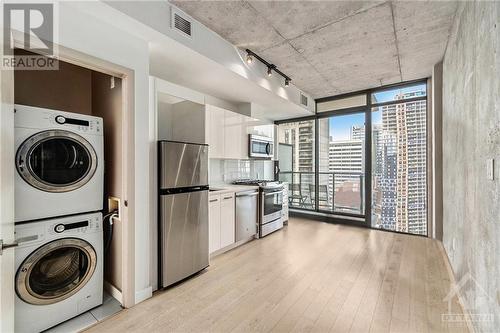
(60, 120)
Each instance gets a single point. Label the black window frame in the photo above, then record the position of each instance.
(347, 218)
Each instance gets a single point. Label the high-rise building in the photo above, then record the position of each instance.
(301, 135)
(346, 163)
(400, 183)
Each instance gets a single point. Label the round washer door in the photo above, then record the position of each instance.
(56, 161)
(55, 271)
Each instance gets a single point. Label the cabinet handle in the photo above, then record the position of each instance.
(228, 198)
(214, 200)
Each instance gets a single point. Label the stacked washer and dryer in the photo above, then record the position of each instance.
(59, 182)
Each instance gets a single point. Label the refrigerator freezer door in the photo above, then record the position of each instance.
(182, 164)
(184, 235)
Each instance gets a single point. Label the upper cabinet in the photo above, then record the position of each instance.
(215, 131)
(235, 143)
(227, 132)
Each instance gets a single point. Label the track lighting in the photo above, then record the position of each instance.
(270, 67)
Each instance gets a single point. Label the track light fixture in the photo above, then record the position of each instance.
(249, 58)
(270, 67)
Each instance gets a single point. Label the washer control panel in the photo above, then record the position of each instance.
(86, 226)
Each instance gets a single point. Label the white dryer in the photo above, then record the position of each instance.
(59, 270)
(59, 163)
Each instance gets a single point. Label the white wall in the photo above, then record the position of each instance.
(81, 31)
(164, 121)
(156, 15)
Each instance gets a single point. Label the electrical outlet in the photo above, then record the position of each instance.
(490, 169)
(114, 205)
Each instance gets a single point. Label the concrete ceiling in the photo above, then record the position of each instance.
(334, 47)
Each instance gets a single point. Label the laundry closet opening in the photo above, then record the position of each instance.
(82, 91)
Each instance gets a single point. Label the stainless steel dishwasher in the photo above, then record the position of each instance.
(247, 214)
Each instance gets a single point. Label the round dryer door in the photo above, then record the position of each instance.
(56, 161)
(55, 271)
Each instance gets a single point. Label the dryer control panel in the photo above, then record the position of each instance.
(40, 118)
(83, 125)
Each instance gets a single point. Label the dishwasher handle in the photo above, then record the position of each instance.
(247, 194)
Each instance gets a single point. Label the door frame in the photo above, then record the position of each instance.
(367, 161)
(127, 208)
(7, 151)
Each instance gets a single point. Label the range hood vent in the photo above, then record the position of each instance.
(182, 24)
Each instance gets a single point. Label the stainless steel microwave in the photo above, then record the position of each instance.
(260, 146)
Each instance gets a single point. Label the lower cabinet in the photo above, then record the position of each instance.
(221, 221)
(227, 219)
(214, 223)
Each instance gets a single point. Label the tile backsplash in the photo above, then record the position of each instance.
(226, 171)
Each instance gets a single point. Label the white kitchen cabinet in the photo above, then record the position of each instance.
(227, 132)
(227, 220)
(215, 130)
(214, 222)
(266, 130)
(221, 220)
(235, 139)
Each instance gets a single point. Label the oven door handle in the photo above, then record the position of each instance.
(247, 194)
(266, 194)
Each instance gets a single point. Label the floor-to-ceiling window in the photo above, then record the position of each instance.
(296, 147)
(399, 166)
(342, 164)
(363, 155)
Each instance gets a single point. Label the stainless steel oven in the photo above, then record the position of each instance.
(270, 205)
(271, 208)
(260, 146)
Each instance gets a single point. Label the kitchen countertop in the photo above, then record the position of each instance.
(229, 188)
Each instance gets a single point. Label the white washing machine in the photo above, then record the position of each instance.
(59, 270)
(59, 163)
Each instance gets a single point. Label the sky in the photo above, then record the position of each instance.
(340, 126)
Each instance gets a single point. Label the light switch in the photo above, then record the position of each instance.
(490, 169)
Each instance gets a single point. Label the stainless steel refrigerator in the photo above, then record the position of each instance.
(183, 210)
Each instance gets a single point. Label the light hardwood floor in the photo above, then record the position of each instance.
(310, 277)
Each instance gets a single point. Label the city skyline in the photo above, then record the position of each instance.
(399, 183)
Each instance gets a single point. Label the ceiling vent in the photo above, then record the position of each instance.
(303, 99)
(182, 24)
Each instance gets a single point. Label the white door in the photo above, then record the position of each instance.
(7, 200)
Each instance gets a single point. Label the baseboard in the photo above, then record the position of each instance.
(451, 273)
(113, 291)
(143, 294)
(231, 246)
